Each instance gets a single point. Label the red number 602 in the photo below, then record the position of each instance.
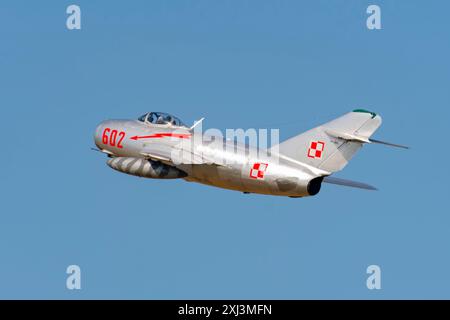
(110, 137)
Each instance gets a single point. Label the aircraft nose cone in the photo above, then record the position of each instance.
(98, 135)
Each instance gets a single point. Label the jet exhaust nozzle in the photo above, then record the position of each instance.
(314, 185)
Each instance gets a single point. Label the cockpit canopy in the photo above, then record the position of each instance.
(162, 119)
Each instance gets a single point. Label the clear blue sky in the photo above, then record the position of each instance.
(240, 64)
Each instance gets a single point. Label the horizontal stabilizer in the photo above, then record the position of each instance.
(347, 136)
(388, 144)
(348, 183)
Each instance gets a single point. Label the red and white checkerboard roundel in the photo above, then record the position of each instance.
(315, 150)
(258, 170)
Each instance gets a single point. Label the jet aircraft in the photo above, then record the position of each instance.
(158, 145)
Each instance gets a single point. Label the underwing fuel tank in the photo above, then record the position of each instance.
(145, 168)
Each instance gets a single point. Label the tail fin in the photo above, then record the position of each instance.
(331, 146)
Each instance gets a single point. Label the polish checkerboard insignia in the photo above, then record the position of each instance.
(258, 170)
(315, 150)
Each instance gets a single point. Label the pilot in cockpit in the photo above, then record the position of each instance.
(160, 120)
(151, 118)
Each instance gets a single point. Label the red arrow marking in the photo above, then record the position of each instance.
(161, 135)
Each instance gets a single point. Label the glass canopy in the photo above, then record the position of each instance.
(161, 118)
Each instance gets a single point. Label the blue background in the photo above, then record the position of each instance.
(265, 64)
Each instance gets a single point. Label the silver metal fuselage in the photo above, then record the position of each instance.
(278, 175)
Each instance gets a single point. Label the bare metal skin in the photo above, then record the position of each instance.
(160, 146)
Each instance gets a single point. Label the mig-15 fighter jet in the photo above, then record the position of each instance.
(158, 145)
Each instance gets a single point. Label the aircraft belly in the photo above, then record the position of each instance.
(274, 179)
(255, 185)
(219, 176)
(277, 180)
